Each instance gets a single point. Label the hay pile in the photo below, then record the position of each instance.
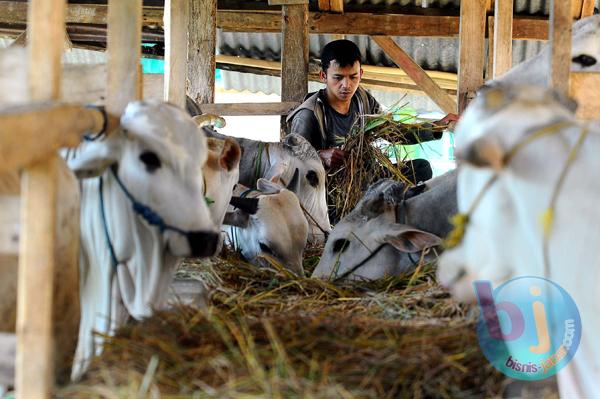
(369, 150)
(269, 334)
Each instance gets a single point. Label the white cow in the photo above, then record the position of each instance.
(273, 224)
(585, 56)
(504, 236)
(221, 173)
(142, 206)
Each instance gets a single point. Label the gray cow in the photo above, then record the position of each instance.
(386, 232)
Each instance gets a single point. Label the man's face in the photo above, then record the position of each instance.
(342, 82)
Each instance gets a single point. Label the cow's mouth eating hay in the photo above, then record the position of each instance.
(269, 334)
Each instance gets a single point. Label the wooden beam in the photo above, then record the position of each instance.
(576, 6)
(524, 28)
(10, 222)
(37, 261)
(201, 50)
(323, 5)
(416, 73)
(176, 47)
(286, 2)
(62, 126)
(337, 6)
(587, 8)
(124, 52)
(560, 45)
(503, 22)
(584, 89)
(472, 50)
(247, 109)
(294, 53)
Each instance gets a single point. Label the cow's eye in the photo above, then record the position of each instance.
(266, 249)
(340, 245)
(584, 60)
(313, 178)
(150, 160)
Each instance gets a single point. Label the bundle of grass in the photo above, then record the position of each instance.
(369, 147)
(267, 333)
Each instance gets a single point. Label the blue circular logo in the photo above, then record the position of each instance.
(529, 327)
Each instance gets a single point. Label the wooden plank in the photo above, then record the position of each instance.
(201, 50)
(587, 8)
(62, 125)
(323, 5)
(241, 109)
(294, 55)
(124, 52)
(503, 22)
(584, 89)
(416, 73)
(576, 6)
(472, 50)
(37, 261)
(560, 42)
(176, 46)
(337, 6)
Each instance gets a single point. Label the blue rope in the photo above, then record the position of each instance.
(145, 211)
(245, 193)
(113, 255)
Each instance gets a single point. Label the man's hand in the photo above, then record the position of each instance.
(332, 158)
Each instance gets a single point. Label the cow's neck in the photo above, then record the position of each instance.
(430, 211)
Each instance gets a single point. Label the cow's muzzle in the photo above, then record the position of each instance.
(203, 243)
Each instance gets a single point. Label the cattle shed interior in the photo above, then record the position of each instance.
(430, 54)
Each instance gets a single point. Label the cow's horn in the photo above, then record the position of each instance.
(248, 205)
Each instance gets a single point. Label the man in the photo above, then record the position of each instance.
(331, 112)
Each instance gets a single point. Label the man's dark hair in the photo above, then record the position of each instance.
(344, 52)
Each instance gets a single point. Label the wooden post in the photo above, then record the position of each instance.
(587, 8)
(560, 34)
(39, 188)
(201, 50)
(472, 50)
(176, 25)
(124, 41)
(294, 53)
(416, 73)
(503, 21)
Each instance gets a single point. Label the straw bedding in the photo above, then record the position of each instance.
(266, 333)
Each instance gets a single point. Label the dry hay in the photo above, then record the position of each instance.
(267, 333)
(368, 150)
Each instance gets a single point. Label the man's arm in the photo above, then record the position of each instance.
(305, 124)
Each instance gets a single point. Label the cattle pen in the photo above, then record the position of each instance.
(265, 332)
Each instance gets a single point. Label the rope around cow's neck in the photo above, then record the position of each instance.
(461, 220)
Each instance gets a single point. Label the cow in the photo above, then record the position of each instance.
(525, 138)
(388, 229)
(585, 56)
(269, 221)
(221, 173)
(142, 206)
(267, 160)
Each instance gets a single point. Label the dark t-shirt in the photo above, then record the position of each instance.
(336, 125)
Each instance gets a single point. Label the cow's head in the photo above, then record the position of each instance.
(503, 225)
(157, 154)
(369, 244)
(310, 187)
(221, 173)
(585, 49)
(275, 226)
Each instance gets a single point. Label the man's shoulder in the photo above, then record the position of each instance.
(308, 106)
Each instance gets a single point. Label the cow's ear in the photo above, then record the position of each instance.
(406, 239)
(485, 152)
(268, 186)
(230, 155)
(92, 158)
